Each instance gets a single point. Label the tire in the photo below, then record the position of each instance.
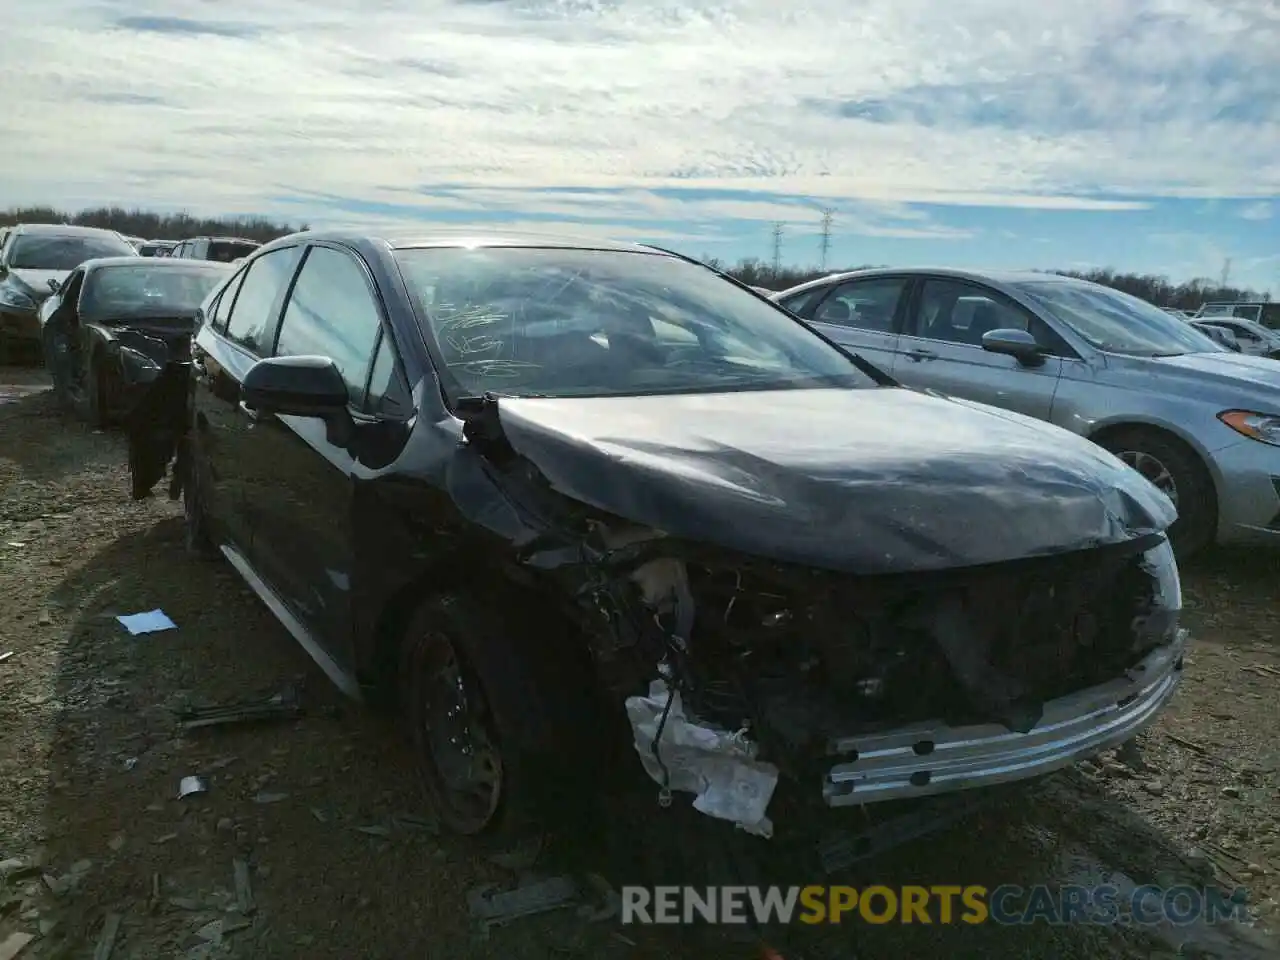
(93, 402)
(57, 373)
(1176, 470)
(529, 760)
(196, 536)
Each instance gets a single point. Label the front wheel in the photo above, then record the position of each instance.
(194, 511)
(498, 740)
(55, 361)
(1178, 473)
(93, 400)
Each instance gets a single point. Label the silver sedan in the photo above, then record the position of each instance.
(1198, 421)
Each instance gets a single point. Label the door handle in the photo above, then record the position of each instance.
(922, 354)
(255, 416)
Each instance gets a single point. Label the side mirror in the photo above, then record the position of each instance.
(300, 387)
(54, 285)
(295, 387)
(1018, 344)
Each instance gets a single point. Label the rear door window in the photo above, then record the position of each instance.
(222, 310)
(256, 312)
(868, 304)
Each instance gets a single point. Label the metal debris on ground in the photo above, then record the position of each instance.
(17, 868)
(409, 821)
(56, 885)
(284, 705)
(5, 656)
(268, 797)
(375, 830)
(608, 905)
(522, 856)
(189, 785)
(244, 890)
(1261, 669)
(107, 939)
(153, 621)
(839, 851)
(14, 944)
(530, 898)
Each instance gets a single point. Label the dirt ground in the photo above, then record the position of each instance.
(320, 810)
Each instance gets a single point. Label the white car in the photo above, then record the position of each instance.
(1252, 336)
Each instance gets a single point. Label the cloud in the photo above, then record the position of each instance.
(1256, 211)
(182, 25)
(666, 114)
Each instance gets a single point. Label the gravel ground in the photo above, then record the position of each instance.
(321, 810)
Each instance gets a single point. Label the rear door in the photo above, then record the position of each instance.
(303, 537)
(241, 331)
(863, 315)
(941, 347)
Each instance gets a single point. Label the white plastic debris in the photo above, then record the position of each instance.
(189, 785)
(153, 621)
(719, 767)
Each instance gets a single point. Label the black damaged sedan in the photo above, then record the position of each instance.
(112, 326)
(558, 496)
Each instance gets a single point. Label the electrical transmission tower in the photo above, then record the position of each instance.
(777, 249)
(827, 215)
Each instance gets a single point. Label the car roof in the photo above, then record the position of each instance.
(65, 230)
(160, 263)
(1012, 277)
(473, 236)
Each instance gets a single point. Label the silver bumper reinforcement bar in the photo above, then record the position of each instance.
(931, 758)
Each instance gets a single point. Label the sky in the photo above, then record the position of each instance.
(1138, 134)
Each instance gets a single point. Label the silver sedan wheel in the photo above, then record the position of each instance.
(1154, 470)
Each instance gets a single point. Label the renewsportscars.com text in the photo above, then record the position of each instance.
(939, 904)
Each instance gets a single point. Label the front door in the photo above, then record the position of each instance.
(864, 315)
(941, 348)
(303, 537)
(227, 456)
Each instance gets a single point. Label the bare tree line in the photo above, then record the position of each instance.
(1187, 295)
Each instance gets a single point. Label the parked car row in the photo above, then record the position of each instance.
(552, 497)
(1249, 336)
(36, 258)
(1264, 312)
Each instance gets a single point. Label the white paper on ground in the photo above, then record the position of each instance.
(150, 622)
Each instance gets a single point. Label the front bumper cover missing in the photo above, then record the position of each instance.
(931, 758)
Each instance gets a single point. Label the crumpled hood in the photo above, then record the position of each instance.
(35, 283)
(867, 481)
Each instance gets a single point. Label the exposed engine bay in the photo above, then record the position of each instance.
(740, 672)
